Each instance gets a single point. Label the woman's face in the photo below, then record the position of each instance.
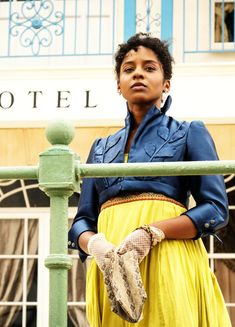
(141, 79)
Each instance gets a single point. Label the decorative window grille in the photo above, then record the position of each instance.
(148, 17)
(88, 29)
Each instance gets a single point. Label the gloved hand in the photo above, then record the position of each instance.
(141, 240)
(98, 247)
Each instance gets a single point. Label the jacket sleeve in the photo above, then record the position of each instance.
(88, 210)
(211, 210)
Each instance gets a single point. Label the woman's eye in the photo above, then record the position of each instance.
(150, 68)
(128, 70)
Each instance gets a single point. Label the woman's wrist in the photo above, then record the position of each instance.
(84, 239)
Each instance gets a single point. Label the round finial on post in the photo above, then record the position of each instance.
(60, 132)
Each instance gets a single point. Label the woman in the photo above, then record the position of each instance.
(149, 214)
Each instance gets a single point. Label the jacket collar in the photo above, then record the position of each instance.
(167, 104)
(152, 113)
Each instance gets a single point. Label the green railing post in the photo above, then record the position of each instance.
(58, 180)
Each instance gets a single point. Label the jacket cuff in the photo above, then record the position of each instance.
(206, 219)
(75, 232)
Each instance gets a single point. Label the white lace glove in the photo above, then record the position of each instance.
(99, 247)
(141, 240)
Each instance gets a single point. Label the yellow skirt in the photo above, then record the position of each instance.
(182, 290)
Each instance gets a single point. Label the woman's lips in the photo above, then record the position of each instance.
(138, 86)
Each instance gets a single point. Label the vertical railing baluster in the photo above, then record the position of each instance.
(87, 26)
(197, 27)
(75, 26)
(58, 180)
(222, 22)
(9, 30)
(234, 24)
(183, 27)
(148, 11)
(64, 21)
(210, 26)
(100, 25)
(114, 26)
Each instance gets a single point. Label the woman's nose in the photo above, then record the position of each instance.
(138, 72)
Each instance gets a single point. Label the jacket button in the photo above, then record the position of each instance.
(73, 244)
(69, 242)
(207, 225)
(212, 221)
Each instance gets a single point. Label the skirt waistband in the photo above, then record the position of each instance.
(139, 197)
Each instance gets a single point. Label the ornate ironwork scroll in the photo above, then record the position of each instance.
(36, 24)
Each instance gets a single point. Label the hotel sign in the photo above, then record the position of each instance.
(32, 101)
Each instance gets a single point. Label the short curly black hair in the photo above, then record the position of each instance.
(160, 48)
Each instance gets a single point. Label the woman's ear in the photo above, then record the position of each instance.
(118, 87)
(167, 85)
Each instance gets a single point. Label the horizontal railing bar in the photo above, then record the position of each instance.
(78, 303)
(221, 256)
(11, 304)
(82, 54)
(18, 256)
(19, 172)
(209, 51)
(183, 168)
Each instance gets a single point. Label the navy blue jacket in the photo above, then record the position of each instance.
(158, 138)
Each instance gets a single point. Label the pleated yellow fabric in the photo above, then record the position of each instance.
(182, 290)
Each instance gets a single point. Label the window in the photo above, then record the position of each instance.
(24, 245)
(22, 273)
(223, 24)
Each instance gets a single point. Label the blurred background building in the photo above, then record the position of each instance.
(56, 61)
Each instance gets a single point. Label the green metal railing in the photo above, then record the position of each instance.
(59, 173)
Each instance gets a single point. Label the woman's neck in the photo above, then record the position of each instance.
(138, 112)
